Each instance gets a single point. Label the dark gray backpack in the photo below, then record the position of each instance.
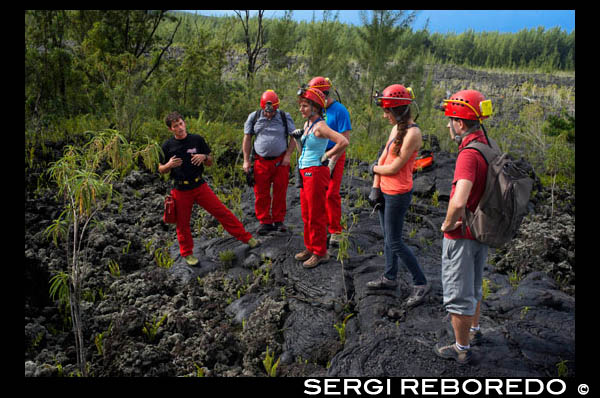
(504, 202)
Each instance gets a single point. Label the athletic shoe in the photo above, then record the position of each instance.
(315, 260)
(279, 226)
(452, 352)
(253, 243)
(191, 260)
(382, 283)
(418, 294)
(303, 255)
(265, 229)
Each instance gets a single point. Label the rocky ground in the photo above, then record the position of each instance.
(221, 317)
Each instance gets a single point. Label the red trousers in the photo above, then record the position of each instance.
(269, 173)
(205, 197)
(334, 200)
(312, 201)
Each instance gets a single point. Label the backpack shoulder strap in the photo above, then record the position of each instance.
(284, 120)
(254, 119)
(489, 152)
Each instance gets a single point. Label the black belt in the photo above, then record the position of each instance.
(186, 182)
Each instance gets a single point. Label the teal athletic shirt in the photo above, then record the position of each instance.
(313, 149)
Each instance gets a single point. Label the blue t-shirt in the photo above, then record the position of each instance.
(338, 119)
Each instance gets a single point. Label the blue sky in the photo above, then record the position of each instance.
(444, 21)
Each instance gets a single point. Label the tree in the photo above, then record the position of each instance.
(254, 43)
(48, 62)
(85, 193)
(380, 35)
(281, 40)
(322, 45)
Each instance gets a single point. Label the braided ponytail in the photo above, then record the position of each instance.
(402, 116)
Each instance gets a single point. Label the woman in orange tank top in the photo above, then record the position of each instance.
(392, 184)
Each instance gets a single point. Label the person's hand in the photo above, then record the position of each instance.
(297, 133)
(446, 227)
(174, 162)
(198, 158)
(375, 197)
(246, 166)
(286, 160)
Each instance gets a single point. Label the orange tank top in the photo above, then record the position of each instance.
(401, 182)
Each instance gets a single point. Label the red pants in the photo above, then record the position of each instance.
(269, 173)
(205, 197)
(334, 200)
(312, 201)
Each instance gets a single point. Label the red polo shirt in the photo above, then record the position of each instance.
(470, 165)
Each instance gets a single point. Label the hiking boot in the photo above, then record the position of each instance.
(191, 260)
(335, 239)
(253, 243)
(382, 283)
(279, 226)
(418, 294)
(475, 337)
(303, 255)
(452, 352)
(315, 260)
(265, 229)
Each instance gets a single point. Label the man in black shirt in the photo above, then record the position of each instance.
(187, 154)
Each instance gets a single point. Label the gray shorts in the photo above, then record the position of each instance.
(462, 274)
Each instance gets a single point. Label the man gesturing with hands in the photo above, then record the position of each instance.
(188, 154)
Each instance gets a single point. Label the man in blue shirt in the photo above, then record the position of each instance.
(338, 119)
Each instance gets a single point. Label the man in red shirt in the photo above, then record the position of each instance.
(463, 257)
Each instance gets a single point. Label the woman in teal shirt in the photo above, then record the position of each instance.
(315, 174)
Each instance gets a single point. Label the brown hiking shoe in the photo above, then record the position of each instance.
(303, 255)
(382, 283)
(315, 260)
(418, 295)
(463, 357)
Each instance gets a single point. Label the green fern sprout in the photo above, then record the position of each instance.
(270, 367)
(199, 370)
(151, 328)
(227, 257)
(113, 268)
(341, 329)
(563, 370)
(162, 258)
(99, 340)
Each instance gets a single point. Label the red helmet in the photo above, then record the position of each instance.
(314, 95)
(468, 104)
(269, 98)
(394, 95)
(321, 83)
